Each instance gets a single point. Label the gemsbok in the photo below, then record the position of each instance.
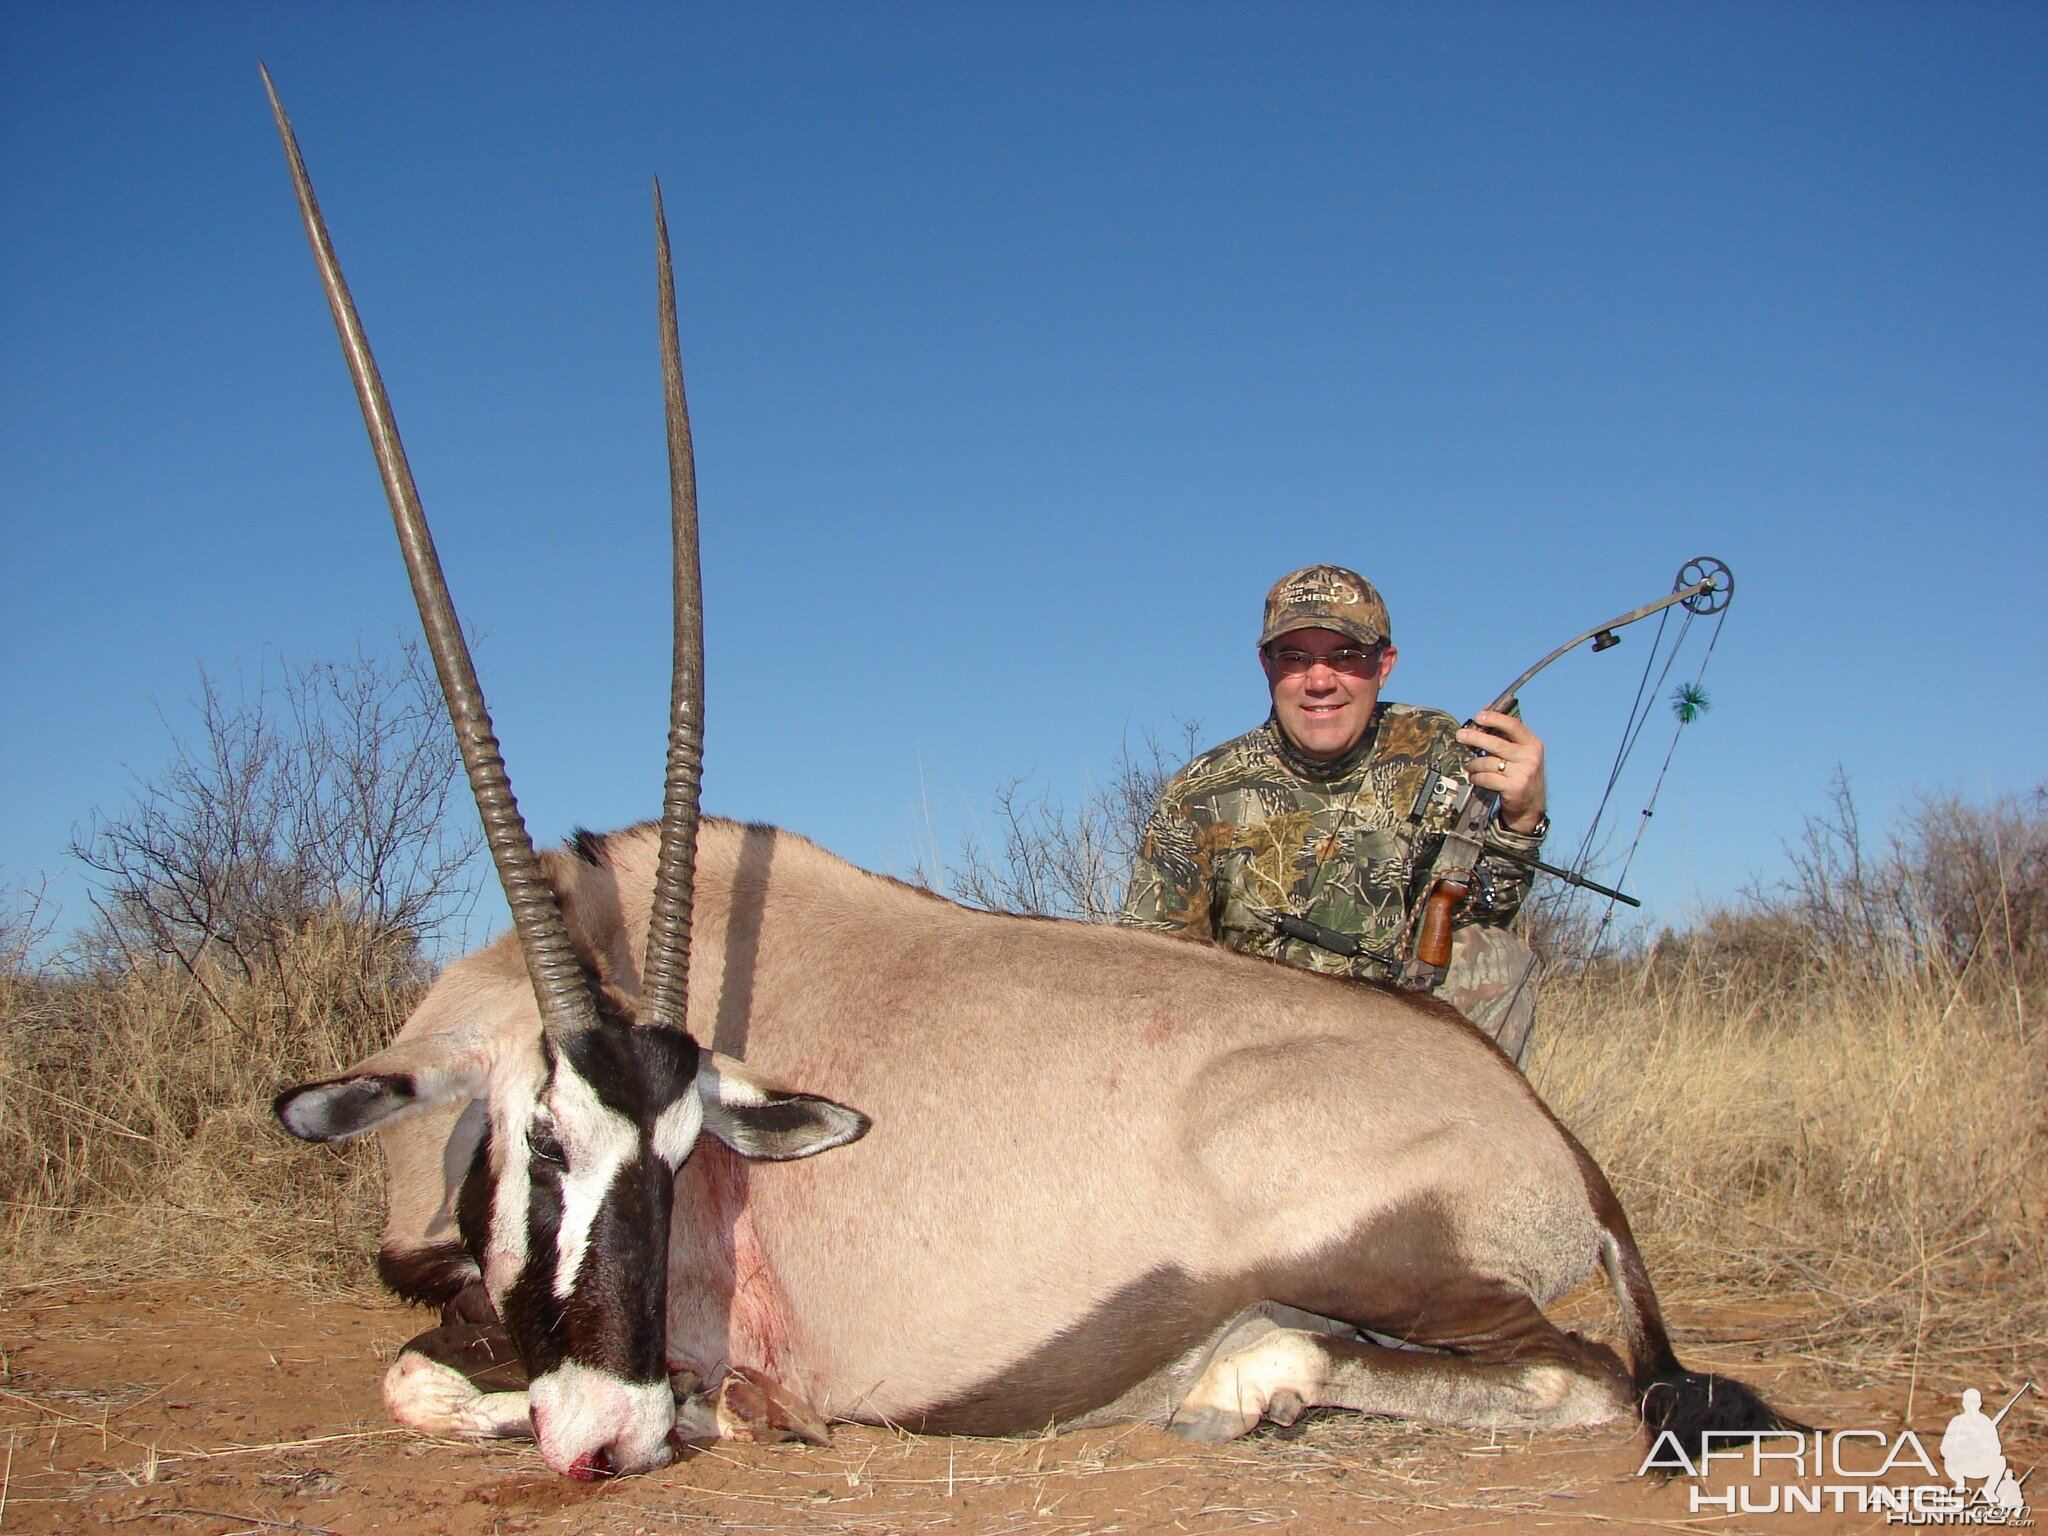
(1094, 1175)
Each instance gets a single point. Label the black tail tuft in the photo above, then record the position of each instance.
(1686, 1404)
(1690, 1403)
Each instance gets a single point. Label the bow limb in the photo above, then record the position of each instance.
(1716, 581)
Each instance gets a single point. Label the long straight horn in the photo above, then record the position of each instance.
(666, 975)
(559, 984)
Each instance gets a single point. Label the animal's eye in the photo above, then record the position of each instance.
(543, 1144)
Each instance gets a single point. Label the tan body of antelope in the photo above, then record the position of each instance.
(1097, 1155)
(1088, 1174)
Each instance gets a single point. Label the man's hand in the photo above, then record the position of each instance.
(1513, 766)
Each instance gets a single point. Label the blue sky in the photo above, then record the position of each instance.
(1026, 346)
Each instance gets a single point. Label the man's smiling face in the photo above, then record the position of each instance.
(1325, 687)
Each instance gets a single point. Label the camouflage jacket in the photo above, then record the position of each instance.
(1252, 829)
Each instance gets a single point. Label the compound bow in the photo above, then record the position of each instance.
(1465, 813)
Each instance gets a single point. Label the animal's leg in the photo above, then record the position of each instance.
(460, 1381)
(1290, 1370)
(438, 1400)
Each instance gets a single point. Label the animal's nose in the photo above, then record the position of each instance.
(591, 1425)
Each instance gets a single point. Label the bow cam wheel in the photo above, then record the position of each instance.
(1708, 569)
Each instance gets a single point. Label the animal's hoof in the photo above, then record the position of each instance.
(1286, 1407)
(754, 1408)
(1207, 1426)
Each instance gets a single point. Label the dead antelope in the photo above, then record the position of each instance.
(1110, 1176)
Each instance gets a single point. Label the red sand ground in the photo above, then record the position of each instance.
(179, 1407)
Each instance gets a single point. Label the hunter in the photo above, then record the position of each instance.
(1309, 815)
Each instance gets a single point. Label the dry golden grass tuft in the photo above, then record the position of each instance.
(1874, 1143)
(135, 1127)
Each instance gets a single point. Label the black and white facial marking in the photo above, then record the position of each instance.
(576, 1249)
(567, 1201)
(616, 1117)
(579, 1201)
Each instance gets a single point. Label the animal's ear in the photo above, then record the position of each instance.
(344, 1106)
(770, 1124)
(410, 1075)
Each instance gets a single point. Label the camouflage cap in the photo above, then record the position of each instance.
(1326, 597)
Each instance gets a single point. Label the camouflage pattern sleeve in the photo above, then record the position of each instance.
(1169, 889)
(1505, 883)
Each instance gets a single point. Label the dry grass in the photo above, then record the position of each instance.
(135, 1126)
(1876, 1143)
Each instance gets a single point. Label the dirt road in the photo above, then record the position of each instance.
(211, 1410)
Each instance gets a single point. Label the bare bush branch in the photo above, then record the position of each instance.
(1957, 884)
(325, 791)
(1052, 860)
(1958, 889)
(27, 918)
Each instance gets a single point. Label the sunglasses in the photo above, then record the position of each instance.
(1347, 659)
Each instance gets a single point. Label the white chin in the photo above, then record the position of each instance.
(578, 1411)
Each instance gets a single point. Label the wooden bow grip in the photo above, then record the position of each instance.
(1433, 943)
